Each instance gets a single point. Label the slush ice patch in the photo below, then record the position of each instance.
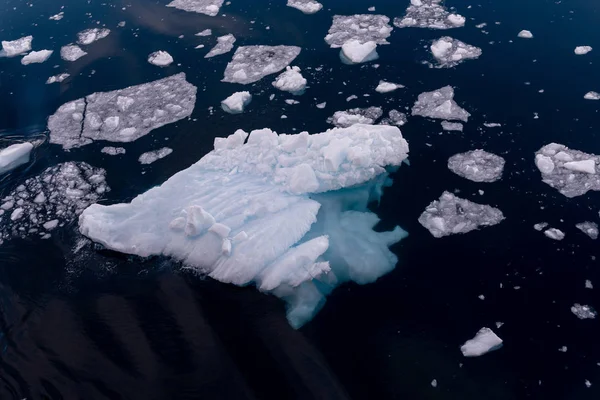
(361, 27)
(208, 7)
(440, 104)
(252, 63)
(477, 166)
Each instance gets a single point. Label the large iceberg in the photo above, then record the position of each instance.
(122, 115)
(440, 104)
(208, 7)
(429, 14)
(252, 63)
(361, 27)
(285, 212)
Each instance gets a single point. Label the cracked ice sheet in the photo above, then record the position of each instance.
(451, 215)
(56, 196)
(440, 104)
(353, 116)
(122, 115)
(224, 45)
(429, 14)
(208, 7)
(450, 52)
(285, 212)
(361, 27)
(571, 172)
(306, 6)
(477, 166)
(252, 63)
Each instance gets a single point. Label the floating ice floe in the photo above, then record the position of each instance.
(394, 117)
(429, 14)
(252, 63)
(451, 215)
(356, 52)
(554, 234)
(57, 78)
(540, 226)
(452, 126)
(589, 228)
(291, 80)
(90, 36)
(581, 50)
(306, 6)
(484, 342)
(450, 52)
(583, 311)
(285, 212)
(206, 32)
(571, 172)
(160, 58)
(57, 17)
(525, 34)
(207, 7)
(71, 52)
(17, 47)
(361, 27)
(122, 115)
(386, 87)
(344, 119)
(153, 156)
(224, 45)
(236, 103)
(113, 151)
(36, 57)
(440, 104)
(592, 96)
(477, 166)
(491, 125)
(14, 156)
(56, 196)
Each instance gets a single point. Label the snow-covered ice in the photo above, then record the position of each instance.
(571, 172)
(554, 233)
(356, 52)
(71, 52)
(252, 63)
(113, 151)
(224, 45)
(60, 193)
(15, 155)
(477, 166)
(57, 78)
(122, 115)
(451, 215)
(394, 117)
(306, 6)
(583, 311)
(206, 32)
(452, 126)
(484, 342)
(581, 50)
(36, 57)
(450, 52)
(429, 14)
(155, 155)
(90, 36)
(592, 96)
(386, 87)
(269, 211)
(361, 27)
(291, 80)
(57, 17)
(440, 104)
(236, 103)
(525, 34)
(160, 58)
(17, 47)
(589, 228)
(344, 119)
(207, 7)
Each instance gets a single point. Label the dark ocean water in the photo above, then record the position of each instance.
(94, 324)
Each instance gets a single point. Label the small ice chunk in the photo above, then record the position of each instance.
(583, 311)
(224, 45)
(484, 342)
(252, 63)
(152, 156)
(322, 105)
(71, 52)
(450, 52)
(17, 47)
(429, 14)
(588, 284)
(434, 383)
(588, 384)
(17, 214)
(589, 228)
(440, 104)
(160, 58)
(306, 6)
(236, 103)
(525, 34)
(452, 215)
(353, 116)
(540, 226)
(57, 17)
(291, 80)
(491, 125)
(477, 166)
(362, 28)
(395, 117)
(207, 7)
(14, 156)
(36, 57)
(90, 36)
(555, 234)
(452, 126)
(587, 166)
(206, 32)
(581, 50)
(592, 96)
(57, 78)
(113, 151)
(355, 52)
(386, 87)
(50, 225)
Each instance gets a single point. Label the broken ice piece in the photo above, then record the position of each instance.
(592, 96)
(540, 226)
(224, 45)
(525, 34)
(395, 117)
(581, 50)
(291, 80)
(555, 234)
(14, 156)
(589, 228)
(160, 58)
(356, 52)
(57, 17)
(353, 116)
(452, 215)
(386, 87)
(440, 104)
(306, 6)
(484, 342)
(152, 156)
(452, 126)
(236, 103)
(71, 52)
(477, 166)
(252, 63)
(450, 52)
(361, 27)
(90, 36)
(206, 32)
(207, 7)
(57, 78)
(429, 14)
(36, 57)
(583, 311)
(113, 151)
(17, 47)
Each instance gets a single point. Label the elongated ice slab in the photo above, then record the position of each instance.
(429, 14)
(57, 78)
(306, 6)
(581, 50)
(583, 311)
(57, 17)
(252, 63)
(589, 228)
(484, 342)
(354, 116)
(236, 103)
(571, 172)
(285, 212)
(452, 126)
(208, 7)
(291, 80)
(224, 45)
(451, 215)
(440, 104)
(554, 234)
(56, 196)
(477, 166)
(71, 52)
(155, 155)
(160, 58)
(36, 57)
(361, 27)
(356, 52)
(113, 151)
(90, 36)
(394, 117)
(206, 32)
(17, 47)
(386, 87)
(450, 52)
(122, 115)
(525, 34)
(14, 156)
(592, 96)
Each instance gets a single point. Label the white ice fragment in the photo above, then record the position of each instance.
(592, 96)
(224, 45)
(491, 125)
(355, 116)
(588, 284)
(113, 151)
(36, 57)
(554, 233)
(206, 32)
(355, 52)
(440, 104)
(386, 87)
(589, 228)
(57, 78)
(434, 383)
(429, 14)
(291, 80)
(153, 156)
(306, 6)
(236, 103)
(50, 225)
(14, 156)
(581, 50)
(362, 28)
(71, 52)
(160, 58)
(450, 52)
(322, 105)
(477, 166)
(525, 34)
(207, 7)
(57, 17)
(17, 47)
(252, 63)
(485, 341)
(540, 226)
(452, 126)
(90, 36)
(395, 117)
(583, 311)
(17, 214)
